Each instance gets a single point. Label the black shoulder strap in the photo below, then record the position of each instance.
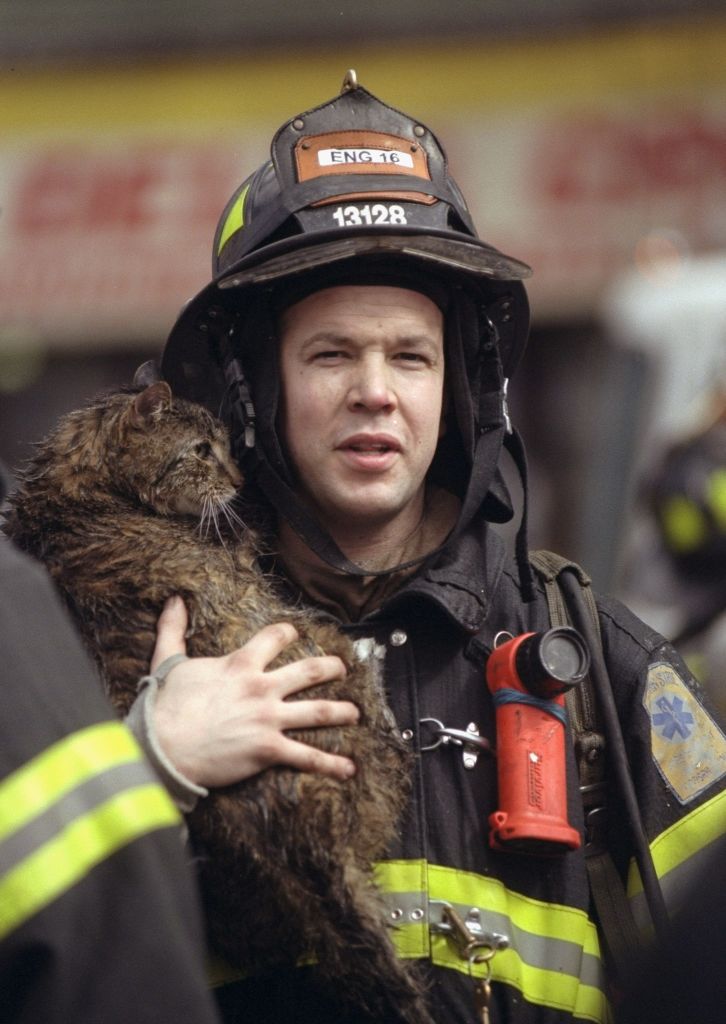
(617, 926)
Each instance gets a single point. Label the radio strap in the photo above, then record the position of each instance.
(617, 926)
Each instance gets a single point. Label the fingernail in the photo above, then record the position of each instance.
(349, 770)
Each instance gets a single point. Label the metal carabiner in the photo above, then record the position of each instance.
(469, 739)
(472, 941)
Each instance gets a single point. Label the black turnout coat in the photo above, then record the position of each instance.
(435, 635)
(99, 917)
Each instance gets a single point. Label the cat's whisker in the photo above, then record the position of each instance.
(216, 508)
(206, 518)
(212, 522)
(234, 521)
(213, 517)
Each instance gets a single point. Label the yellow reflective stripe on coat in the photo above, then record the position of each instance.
(678, 854)
(38, 784)
(554, 955)
(67, 810)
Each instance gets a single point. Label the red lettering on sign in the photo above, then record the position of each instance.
(143, 188)
(603, 159)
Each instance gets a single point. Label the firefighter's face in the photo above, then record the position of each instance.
(362, 389)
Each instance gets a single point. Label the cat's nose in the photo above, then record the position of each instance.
(234, 472)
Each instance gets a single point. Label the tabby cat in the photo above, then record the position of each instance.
(130, 500)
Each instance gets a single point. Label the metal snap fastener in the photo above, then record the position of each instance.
(407, 735)
(398, 638)
(417, 914)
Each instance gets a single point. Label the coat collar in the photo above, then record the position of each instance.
(463, 580)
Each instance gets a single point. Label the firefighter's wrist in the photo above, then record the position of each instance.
(140, 720)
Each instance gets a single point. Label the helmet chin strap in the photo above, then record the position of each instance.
(308, 529)
(515, 446)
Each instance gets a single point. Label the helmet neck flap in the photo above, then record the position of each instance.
(391, 215)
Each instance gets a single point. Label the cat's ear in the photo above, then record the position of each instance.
(149, 402)
(148, 373)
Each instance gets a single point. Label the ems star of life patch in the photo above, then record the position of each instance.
(688, 747)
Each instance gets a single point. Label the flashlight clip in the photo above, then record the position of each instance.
(468, 739)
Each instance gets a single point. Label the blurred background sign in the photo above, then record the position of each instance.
(114, 230)
(572, 151)
(104, 239)
(588, 138)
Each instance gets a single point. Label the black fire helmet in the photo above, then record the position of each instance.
(355, 192)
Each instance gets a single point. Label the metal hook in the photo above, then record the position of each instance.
(350, 82)
(469, 739)
(473, 942)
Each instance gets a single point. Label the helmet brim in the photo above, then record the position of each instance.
(449, 251)
(187, 361)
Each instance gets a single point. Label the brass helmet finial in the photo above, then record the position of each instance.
(350, 81)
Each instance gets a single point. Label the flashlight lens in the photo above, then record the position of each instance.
(552, 662)
(563, 656)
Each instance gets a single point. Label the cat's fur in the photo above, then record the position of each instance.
(128, 501)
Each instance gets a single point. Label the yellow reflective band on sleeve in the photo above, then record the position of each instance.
(40, 783)
(683, 840)
(716, 490)
(235, 219)
(554, 953)
(684, 524)
(60, 863)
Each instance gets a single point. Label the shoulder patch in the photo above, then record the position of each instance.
(688, 747)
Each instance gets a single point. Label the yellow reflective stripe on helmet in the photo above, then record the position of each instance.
(554, 955)
(235, 219)
(37, 785)
(60, 863)
(683, 840)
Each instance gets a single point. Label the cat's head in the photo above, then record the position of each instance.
(173, 455)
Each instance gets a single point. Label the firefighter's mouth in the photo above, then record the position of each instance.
(371, 445)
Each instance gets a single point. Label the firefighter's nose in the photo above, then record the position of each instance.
(371, 387)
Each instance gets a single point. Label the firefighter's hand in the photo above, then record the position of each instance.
(221, 720)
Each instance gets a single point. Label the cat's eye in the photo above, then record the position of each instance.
(203, 449)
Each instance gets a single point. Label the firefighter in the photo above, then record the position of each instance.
(98, 913)
(687, 498)
(359, 338)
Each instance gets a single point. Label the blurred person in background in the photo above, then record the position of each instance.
(687, 500)
(676, 558)
(99, 917)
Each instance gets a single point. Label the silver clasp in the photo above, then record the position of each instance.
(467, 934)
(469, 739)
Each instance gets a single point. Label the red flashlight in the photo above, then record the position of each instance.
(528, 676)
